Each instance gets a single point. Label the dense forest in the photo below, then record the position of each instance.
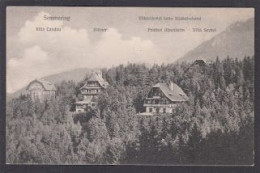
(216, 125)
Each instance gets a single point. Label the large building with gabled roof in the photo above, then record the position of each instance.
(40, 89)
(90, 91)
(163, 98)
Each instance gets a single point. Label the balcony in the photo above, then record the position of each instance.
(90, 92)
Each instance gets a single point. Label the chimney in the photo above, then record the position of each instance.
(170, 84)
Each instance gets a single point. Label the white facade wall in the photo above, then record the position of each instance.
(168, 109)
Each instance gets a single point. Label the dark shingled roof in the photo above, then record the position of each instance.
(199, 62)
(176, 94)
(95, 76)
(46, 84)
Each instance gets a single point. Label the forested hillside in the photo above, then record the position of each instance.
(216, 125)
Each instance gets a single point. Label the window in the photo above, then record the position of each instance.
(150, 109)
(156, 101)
(157, 110)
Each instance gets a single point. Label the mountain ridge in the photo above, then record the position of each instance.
(236, 41)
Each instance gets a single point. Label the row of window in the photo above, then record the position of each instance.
(157, 102)
(42, 95)
(157, 110)
(160, 110)
(91, 91)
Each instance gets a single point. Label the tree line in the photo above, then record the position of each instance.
(216, 125)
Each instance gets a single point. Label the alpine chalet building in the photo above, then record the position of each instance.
(41, 90)
(163, 98)
(90, 91)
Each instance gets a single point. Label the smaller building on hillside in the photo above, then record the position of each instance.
(90, 91)
(41, 90)
(199, 62)
(197, 66)
(163, 98)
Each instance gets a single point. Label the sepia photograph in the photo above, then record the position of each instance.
(130, 86)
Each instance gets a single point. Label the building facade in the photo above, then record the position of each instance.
(41, 90)
(90, 91)
(163, 98)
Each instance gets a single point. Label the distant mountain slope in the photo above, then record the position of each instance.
(235, 41)
(75, 75)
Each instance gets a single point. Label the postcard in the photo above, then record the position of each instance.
(130, 86)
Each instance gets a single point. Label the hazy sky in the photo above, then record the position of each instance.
(34, 54)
